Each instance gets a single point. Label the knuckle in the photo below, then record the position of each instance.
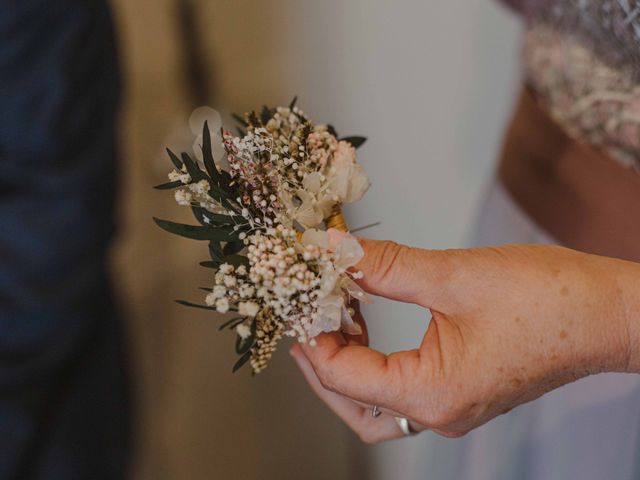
(456, 417)
(452, 434)
(325, 377)
(368, 437)
(387, 258)
(443, 417)
(439, 422)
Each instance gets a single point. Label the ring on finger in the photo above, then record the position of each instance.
(405, 426)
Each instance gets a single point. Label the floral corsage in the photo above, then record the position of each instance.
(264, 207)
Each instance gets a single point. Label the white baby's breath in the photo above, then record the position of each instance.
(249, 309)
(244, 331)
(283, 176)
(183, 198)
(222, 305)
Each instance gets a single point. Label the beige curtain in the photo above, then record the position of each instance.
(194, 419)
(430, 82)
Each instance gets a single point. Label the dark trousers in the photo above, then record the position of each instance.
(63, 392)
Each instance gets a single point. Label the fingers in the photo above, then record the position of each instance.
(364, 374)
(401, 273)
(357, 417)
(363, 338)
(399, 383)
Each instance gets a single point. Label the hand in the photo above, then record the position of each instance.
(508, 325)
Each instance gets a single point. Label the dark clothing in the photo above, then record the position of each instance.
(63, 395)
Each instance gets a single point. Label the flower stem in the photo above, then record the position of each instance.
(336, 220)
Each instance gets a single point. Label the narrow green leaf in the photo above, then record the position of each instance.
(215, 250)
(195, 305)
(202, 307)
(198, 212)
(234, 322)
(332, 130)
(196, 232)
(175, 160)
(240, 119)
(236, 260)
(211, 264)
(207, 218)
(233, 247)
(226, 178)
(193, 169)
(218, 219)
(207, 154)
(241, 361)
(219, 194)
(253, 119)
(265, 115)
(243, 345)
(356, 142)
(169, 185)
(293, 102)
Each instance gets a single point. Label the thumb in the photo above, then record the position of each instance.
(399, 272)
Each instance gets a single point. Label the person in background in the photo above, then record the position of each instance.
(553, 331)
(64, 408)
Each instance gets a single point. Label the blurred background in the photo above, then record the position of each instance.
(430, 83)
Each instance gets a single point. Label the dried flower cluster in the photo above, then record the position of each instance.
(276, 268)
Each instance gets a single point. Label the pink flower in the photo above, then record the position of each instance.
(344, 157)
(346, 179)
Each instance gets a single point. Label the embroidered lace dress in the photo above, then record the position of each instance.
(582, 58)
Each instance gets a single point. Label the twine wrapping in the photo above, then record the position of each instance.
(336, 220)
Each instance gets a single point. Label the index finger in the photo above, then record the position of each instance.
(362, 373)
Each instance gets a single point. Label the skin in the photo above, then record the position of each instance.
(509, 324)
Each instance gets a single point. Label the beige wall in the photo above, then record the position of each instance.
(428, 81)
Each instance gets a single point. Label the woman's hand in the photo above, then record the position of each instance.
(509, 324)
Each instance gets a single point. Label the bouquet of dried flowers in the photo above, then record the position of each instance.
(264, 210)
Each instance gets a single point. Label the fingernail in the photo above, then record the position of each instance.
(295, 351)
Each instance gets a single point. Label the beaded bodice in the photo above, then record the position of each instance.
(582, 58)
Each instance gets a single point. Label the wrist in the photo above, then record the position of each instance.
(622, 315)
(628, 286)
